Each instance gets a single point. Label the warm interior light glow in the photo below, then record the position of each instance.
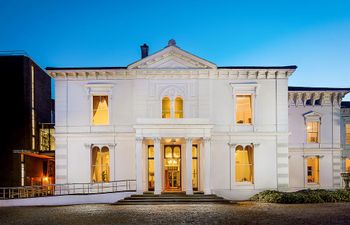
(244, 164)
(151, 168)
(313, 170)
(347, 133)
(178, 108)
(100, 110)
(166, 107)
(347, 165)
(194, 167)
(312, 129)
(244, 109)
(100, 164)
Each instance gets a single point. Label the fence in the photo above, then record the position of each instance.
(67, 189)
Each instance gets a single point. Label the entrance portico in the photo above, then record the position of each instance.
(173, 155)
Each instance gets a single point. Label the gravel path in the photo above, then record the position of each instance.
(244, 213)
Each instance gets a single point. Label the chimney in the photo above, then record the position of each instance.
(144, 50)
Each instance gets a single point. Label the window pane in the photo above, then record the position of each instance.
(194, 151)
(150, 152)
(347, 134)
(168, 152)
(243, 109)
(178, 108)
(95, 168)
(100, 110)
(105, 164)
(244, 164)
(151, 174)
(166, 107)
(347, 165)
(313, 170)
(177, 152)
(312, 132)
(194, 173)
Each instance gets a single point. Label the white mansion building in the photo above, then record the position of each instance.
(177, 122)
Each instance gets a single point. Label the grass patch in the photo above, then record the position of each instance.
(303, 196)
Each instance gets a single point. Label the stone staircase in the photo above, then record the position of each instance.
(148, 198)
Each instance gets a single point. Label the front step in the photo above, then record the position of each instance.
(171, 198)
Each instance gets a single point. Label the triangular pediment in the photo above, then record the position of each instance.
(172, 57)
(312, 114)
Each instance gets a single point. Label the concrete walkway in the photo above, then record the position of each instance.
(247, 213)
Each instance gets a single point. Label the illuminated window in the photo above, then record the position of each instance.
(347, 134)
(347, 165)
(33, 108)
(244, 109)
(166, 107)
(151, 168)
(100, 110)
(100, 164)
(313, 170)
(47, 139)
(178, 108)
(313, 131)
(244, 164)
(195, 167)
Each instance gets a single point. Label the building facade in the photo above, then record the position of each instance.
(28, 113)
(176, 122)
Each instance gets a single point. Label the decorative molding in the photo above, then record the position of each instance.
(174, 73)
(138, 139)
(156, 140)
(172, 57)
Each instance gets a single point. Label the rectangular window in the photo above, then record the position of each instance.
(100, 110)
(195, 167)
(313, 129)
(244, 164)
(313, 170)
(151, 168)
(347, 133)
(244, 109)
(47, 139)
(347, 165)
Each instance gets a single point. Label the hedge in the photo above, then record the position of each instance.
(303, 196)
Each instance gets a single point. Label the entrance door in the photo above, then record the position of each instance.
(172, 166)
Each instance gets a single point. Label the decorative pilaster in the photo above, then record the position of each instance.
(157, 167)
(207, 159)
(188, 174)
(138, 160)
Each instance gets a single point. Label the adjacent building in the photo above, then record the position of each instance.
(176, 122)
(27, 157)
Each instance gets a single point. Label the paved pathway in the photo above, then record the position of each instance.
(247, 213)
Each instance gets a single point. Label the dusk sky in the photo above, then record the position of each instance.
(314, 35)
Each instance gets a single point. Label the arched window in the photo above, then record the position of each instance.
(244, 164)
(178, 108)
(100, 164)
(166, 107)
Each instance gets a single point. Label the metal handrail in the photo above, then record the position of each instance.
(67, 189)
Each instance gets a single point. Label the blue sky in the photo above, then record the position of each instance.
(314, 35)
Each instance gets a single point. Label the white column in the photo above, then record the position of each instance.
(188, 173)
(157, 167)
(207, 159)
(138, 161)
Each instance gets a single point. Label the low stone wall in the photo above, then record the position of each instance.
(66, 200)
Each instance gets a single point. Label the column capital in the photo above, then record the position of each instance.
(156, 140)
(138, 139)
(207, 139)
(188, 139)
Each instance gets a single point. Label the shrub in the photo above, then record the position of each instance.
(302, 196)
